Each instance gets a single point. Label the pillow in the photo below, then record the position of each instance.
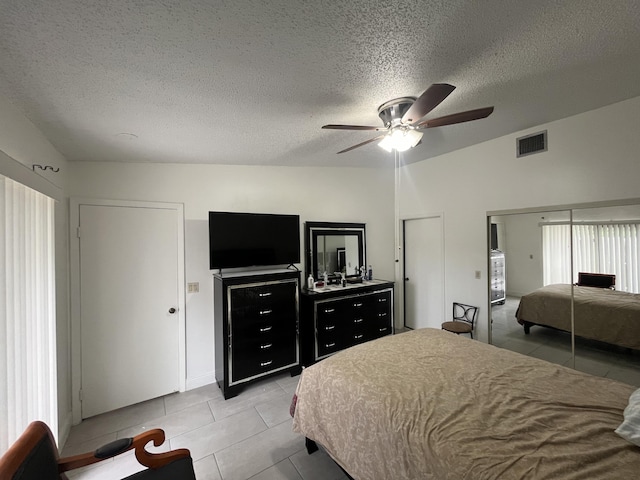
(629, 429)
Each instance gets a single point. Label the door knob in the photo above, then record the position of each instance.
(406, 279)
(172, 310)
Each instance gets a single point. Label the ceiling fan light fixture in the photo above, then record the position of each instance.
(400, 139)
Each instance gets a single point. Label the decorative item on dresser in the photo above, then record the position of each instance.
(334, 318)
(256, 326)
(497, 273)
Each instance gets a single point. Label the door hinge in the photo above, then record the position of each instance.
(81, 395)
(78, 232)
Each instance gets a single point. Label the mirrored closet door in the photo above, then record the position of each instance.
(606, 296)
(528, 272)
(571, 287)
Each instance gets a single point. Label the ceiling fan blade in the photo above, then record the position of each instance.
(353, 127)
(362, 144)
(457, 118)
(430, 99)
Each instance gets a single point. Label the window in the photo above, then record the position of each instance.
(28, 386)
(597, 248)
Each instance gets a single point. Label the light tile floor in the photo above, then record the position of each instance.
(246, 437)
(250, 436)
(592, 357)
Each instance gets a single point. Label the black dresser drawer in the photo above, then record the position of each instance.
(255, 303)
(262, 331)
(329, 343)
(250, 361)
(382, 301)
(331, 313)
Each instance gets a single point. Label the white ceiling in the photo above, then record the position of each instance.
(252, 82)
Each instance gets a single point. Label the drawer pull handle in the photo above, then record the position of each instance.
(382, 329)
(382, 300)
(358, 337)
(265, 346)
(329, 345)
(266, 329)
(265, 294)
(329, 327)
(382, 315)
(329, 310)
(265, 312)
(266, 364)
(358, 320)
(357, 304)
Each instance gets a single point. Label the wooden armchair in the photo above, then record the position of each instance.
(35, 456)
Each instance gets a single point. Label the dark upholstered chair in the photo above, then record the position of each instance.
(35, 456)
(464, 318)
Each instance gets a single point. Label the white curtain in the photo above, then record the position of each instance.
(619, 246)
(556, 254)
(597, 248)
(28, 385)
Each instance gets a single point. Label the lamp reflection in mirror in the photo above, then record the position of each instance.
(400, 139)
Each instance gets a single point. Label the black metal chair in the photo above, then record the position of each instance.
(464, 318)
(34, 456)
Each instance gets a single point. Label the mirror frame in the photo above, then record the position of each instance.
(315, 229)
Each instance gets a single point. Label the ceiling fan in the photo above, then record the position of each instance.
(402, 119)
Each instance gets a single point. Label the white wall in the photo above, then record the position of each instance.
(24, 145)
(523, 253)
(316, 194)
(591, 157)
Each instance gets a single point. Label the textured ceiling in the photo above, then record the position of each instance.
(252, 82)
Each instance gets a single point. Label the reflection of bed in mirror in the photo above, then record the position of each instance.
(600, 313)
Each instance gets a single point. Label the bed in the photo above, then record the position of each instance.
(600, 313)
(428, 404)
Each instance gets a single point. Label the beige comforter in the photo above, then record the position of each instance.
(429, 404)
(600, 314)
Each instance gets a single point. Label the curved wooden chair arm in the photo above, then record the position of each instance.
(12, 460)
(139, 442)
(156, 460)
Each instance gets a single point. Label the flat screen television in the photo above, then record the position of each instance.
(494, 236)
(253, 239)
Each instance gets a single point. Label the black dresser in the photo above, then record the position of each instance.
(256, 326)
(337, 318)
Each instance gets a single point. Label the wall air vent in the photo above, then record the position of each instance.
(531, 144)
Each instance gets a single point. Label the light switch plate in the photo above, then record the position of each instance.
(193, 287)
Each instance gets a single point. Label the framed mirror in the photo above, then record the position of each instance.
(335, 248)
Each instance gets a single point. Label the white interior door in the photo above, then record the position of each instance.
(129, 299)
(424, 272)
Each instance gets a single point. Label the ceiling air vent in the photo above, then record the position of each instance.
(531, 144)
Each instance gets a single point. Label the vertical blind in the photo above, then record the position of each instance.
(556, 254)
(28, 385)
(597, 248)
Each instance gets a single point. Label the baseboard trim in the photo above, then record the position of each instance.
(64, 428)
(516, 294)
(200, 381)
